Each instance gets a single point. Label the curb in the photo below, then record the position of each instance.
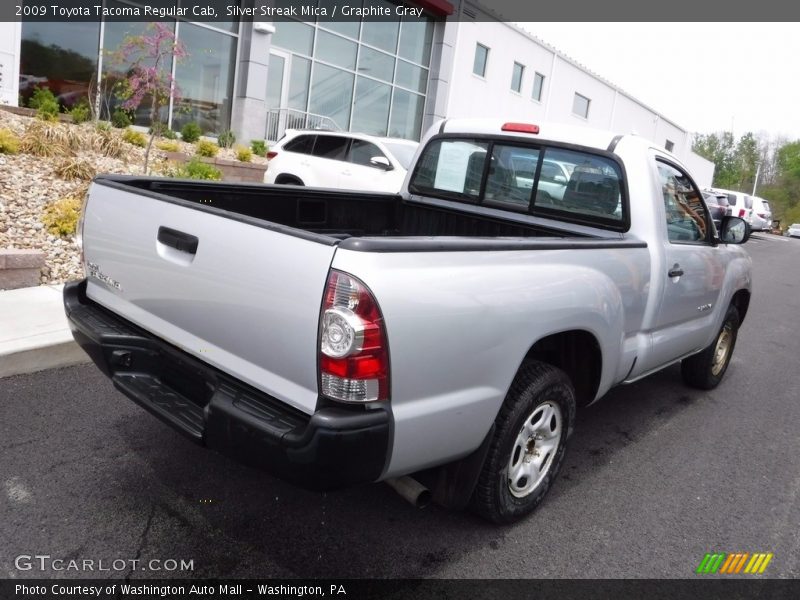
(53, 356)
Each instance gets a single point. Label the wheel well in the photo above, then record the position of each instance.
(578, 354)
(741, 300)
(283, 178)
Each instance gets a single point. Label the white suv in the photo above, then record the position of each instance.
(741, 204)
(761, 219)
(344, 160)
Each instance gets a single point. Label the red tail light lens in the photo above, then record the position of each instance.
(520, 127)
(741, 213)
(354, 354)
(271, 154)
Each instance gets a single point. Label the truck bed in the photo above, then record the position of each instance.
(334, 213)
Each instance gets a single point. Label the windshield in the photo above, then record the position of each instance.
(402, 152)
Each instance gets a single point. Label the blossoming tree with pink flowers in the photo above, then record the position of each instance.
(148, 60)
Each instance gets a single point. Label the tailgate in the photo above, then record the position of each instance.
(241, 295)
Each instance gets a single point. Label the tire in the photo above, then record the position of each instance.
(519, 469)
(706, 369)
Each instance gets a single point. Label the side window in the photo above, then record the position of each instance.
(362, 151)
(685, 211)
(331, 146)
(302, 144)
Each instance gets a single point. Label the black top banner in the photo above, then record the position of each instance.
(383, 10)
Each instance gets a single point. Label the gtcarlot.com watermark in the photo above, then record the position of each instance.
(46, 563)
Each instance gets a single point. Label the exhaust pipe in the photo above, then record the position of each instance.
(411, 489)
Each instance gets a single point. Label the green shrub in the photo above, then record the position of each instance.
(226, 139)
(61, 217)
(191, 132)
(169, 134)
(168, 146)
(9, 142)
(121, 119)
(206, 148)
(137, 138)
(102, 126)
(75, 168)
(45, 104)
(197, 169)
(259, 147)
(244, 154)
(80, 113)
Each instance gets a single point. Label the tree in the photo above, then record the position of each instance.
(720, 149)
(147, 60)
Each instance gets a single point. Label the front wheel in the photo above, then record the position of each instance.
(705, 369)
(528, 447)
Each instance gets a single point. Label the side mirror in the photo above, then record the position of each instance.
(381, 162)
(734, 230)
(560, 179)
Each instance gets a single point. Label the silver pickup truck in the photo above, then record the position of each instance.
(450, 331)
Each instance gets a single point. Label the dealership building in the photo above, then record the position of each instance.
(394, 76)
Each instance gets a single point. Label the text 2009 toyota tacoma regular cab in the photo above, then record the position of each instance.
(341, 337)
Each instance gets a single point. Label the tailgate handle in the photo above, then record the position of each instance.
(178, 240)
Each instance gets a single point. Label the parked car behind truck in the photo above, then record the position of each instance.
(341, 337)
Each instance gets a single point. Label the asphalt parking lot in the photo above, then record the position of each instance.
(657, 475)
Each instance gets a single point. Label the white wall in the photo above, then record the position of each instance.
(492, 96)
(10, 39)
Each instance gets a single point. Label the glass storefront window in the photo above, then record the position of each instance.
(371, 107)
(299, 76)
(416, 39)
(332, 94)
(381, 34)
(61, 57)
(336, 50)
(205, 79)
(294, 36)
(406, 115)
(348, 28)
(411, 76)
(375, 64)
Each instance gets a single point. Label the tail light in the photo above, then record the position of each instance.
(741, 213)
(271, 154)
(354, 353)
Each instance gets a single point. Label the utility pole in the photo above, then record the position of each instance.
(755, 183)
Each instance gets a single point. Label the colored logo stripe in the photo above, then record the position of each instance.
(732, 563)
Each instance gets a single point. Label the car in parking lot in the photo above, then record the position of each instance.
(794, 230)
(761, 217)
(718, 205)
(741, 204)
(344, 160)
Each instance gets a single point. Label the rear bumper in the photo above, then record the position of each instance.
(334, 447)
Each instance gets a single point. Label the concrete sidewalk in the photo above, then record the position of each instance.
(34, 334)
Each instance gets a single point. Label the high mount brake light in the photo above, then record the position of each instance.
(353, 350)
(520, 127)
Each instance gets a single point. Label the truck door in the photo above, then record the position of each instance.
(693, 270)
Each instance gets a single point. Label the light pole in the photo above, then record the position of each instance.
(755, 183)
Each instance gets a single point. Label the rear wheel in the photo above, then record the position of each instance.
(706, 369)
(528, 447)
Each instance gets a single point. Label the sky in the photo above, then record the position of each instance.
(705, 77)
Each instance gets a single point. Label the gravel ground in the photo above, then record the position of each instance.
(29, 183)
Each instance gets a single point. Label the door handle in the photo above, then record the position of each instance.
(675, 271)
(177, 239)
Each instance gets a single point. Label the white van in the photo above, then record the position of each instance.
(761, 217)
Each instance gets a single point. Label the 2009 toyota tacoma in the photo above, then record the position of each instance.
(340, 337)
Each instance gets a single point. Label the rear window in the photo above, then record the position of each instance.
(568, 184)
